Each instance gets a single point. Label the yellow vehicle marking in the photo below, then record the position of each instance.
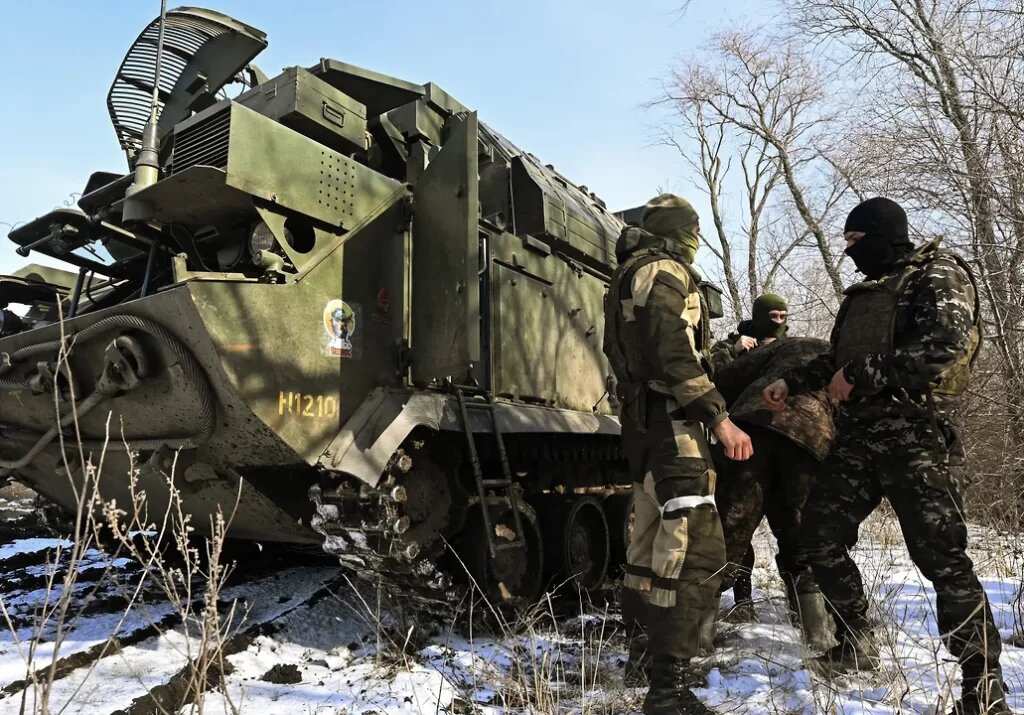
(300, 404)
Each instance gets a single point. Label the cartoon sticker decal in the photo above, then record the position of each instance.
(340, 323)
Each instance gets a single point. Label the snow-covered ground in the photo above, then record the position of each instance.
(311, 643)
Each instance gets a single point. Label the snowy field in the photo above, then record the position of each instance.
(303, 640)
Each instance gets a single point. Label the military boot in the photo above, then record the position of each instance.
(669, 694)
(855, 650)
(982, 695)
(742, 593)
(637, 670)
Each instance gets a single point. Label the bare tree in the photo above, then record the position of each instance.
(943, 129)
(772, 96)
(710, 138)
(919, 101)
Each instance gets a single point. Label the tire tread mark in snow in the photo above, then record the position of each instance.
(178, 692)
(65, 666)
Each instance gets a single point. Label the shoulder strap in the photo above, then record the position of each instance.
(623, 276)
(629, 267)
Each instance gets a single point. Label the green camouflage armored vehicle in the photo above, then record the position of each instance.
(338, 292)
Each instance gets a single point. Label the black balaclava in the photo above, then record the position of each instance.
(885, 241)
(761, 324)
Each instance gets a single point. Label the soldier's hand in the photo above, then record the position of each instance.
(840, 388)
(744, 343)
(775, 395)
(736, 442)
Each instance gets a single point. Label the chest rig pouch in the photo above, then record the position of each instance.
(869, 317)
(871, 312)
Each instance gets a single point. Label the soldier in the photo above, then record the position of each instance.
(788, 448)
(767, 323)
(656, 329)
(901, 351)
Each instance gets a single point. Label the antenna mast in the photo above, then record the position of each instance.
(147, 164)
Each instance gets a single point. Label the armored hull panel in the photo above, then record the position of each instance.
(195, 402)
(343, 298)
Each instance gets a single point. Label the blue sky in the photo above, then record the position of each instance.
(563, 79)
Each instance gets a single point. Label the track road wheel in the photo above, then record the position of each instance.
(586, 544)
(515, 576)
(576, 540)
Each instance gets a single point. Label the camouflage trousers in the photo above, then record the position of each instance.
(676, 551)
(906, 460)
(775, 483)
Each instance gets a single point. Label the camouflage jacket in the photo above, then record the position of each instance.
(656, 331)
(931, 330)
(724, 351)
(807, 419)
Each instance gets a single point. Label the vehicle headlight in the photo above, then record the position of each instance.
(261, 238)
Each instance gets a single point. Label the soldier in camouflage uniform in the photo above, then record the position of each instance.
(767, 322)
(901, 351)
(789, 446)
(656, 332)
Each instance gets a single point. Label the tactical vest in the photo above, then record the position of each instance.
(620, 335)
(869, 314)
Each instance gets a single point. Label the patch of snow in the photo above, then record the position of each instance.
(351, 661)
(31, 546)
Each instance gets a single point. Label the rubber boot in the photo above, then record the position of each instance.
(670, 693)
(708, 627)
(982, 695)
(815, 621)
(855, 650)
(807, 612)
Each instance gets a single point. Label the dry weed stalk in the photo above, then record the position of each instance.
(177, 566)
(58, 611)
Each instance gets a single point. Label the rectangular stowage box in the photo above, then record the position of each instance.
(307, 104)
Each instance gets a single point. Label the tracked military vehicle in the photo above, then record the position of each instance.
(335, 291)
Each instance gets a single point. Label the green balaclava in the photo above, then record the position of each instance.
(762, 326)
(674, 219)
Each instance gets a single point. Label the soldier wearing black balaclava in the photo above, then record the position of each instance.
(789, 447)
(885, 239)
(900, 356)
(767, 322)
